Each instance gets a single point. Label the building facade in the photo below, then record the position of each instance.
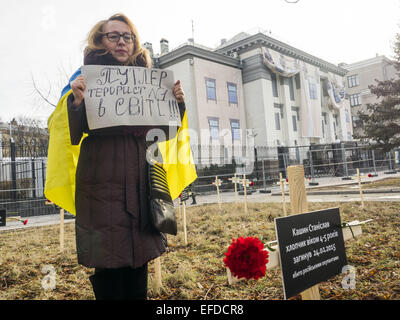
(254, 86)
(360, 76)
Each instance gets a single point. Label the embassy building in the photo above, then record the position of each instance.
(257, 90)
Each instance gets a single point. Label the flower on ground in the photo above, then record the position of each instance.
(246, 258)
(25, 222)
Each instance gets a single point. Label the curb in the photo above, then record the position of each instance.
(333, 192)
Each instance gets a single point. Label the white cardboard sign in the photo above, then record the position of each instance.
(129, 96)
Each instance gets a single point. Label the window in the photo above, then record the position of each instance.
(277, 121)
(356, 121)
(347, 116)
(211, 89)
(235, 127)
(324, 117)
(294, 120)
(214, 128)
(353, 81)
(355, 99)
(232, 93)
(274, 85)
(297, 152)
(334, 129)
(291, 89)
(325, 88)
(336, 119)
(323, 129)
(313, 90)
(280, 107)
(297, 80)
(296, 109)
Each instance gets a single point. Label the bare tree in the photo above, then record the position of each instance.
(49, 94)
(30, 136)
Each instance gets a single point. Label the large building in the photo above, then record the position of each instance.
(256, 86)
(360, 76)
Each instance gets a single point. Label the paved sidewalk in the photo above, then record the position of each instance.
(37, 221)
(332, 196)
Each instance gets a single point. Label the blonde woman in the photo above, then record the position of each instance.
(113, 233)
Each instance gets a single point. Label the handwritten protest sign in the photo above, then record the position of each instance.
(122, 95)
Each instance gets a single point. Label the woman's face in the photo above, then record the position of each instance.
(120, 50)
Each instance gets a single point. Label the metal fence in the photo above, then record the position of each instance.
(22, 179)
(23, 169)
(263, 165)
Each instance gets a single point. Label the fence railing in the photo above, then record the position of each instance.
(22, 177)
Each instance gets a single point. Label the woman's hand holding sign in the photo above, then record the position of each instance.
(178, 92)
(78, 87)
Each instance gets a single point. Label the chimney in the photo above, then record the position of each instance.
(164, 46)
(149, 47)
(191, 41)
(223, 41)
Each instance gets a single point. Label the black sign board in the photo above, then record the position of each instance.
(2, 217)
(311, 249)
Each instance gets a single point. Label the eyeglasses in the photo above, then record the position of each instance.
(115, 36)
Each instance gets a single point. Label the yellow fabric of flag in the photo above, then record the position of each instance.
(62, 159)
(178, 160)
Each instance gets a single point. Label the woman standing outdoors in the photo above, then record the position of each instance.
(113, 233)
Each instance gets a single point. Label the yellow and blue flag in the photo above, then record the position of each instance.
(63, 157)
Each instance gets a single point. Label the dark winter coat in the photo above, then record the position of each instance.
(112, 223)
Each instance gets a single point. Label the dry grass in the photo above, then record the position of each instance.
(387, 183)
(196, 271)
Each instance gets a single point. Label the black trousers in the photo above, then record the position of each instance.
(120, 284)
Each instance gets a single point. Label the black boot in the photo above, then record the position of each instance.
(135, 283)
(103, 285)
(120, 284)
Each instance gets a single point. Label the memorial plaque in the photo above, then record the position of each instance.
(311, 249)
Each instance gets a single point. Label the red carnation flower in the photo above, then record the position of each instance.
(246, 258)
(369, 175)
(252, 183)
(25, 222)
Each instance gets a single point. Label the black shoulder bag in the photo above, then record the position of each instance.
(162, 214)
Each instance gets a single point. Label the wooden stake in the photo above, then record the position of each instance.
(236, 193)
(157, 274)
(179, 208)
(184, 223)
(17, 218)
(61, 230)
(219, 198)
(299, 204)
(283, 194)
(245, 193)
(359, 186)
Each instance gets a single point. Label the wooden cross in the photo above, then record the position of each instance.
(359, 186)
(218, 183)
(235, 180)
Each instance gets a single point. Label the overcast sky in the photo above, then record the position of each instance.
(44, 39)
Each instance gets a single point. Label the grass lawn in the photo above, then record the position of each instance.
(197, 271)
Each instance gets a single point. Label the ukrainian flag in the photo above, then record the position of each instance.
(63, 157)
